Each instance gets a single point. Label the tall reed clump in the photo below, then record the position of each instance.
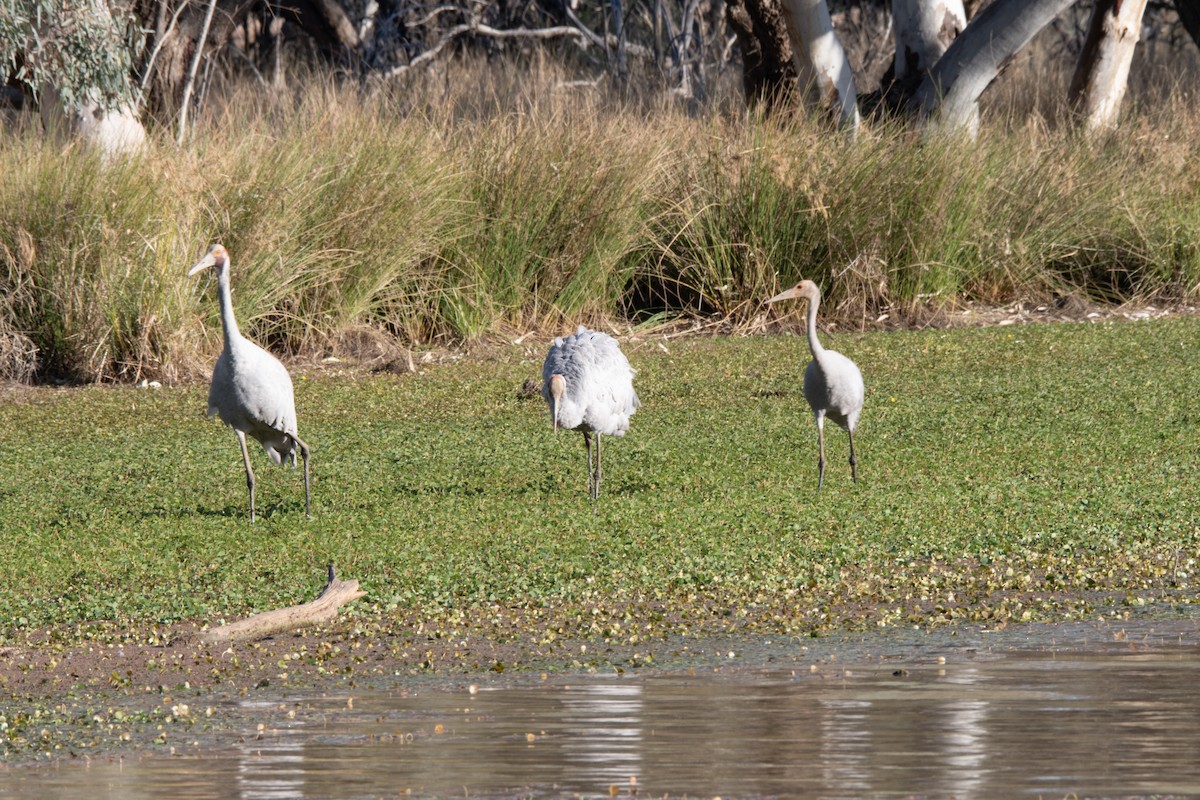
(1133, 223)
(882, 222)
(735, 214)
(90, 253)
(425, 226)
(895, 223)
(334, 216)
(558, 207)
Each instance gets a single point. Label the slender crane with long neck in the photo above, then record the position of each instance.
(833, 384)
(588, 384)
(251, 390)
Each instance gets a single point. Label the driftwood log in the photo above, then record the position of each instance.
(335, 595)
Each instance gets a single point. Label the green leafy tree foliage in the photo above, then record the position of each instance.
(86, 50)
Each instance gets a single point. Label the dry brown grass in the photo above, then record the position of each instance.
(478, 199)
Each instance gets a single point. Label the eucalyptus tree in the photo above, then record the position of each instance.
(822, 68)
(924, 31)
(944, 56)
(948, 97)
(76, 57)
(96, 68)
(1102, 73)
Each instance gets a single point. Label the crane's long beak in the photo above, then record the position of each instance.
(790, 294)
(205, 263)
(557, 388)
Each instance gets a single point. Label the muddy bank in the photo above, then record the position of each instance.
(163, 690)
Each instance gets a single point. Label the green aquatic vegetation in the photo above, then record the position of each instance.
(1011, 473)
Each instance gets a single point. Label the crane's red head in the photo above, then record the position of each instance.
(216, 257)
(558, 386)
(804, 289)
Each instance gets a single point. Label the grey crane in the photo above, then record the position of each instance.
(588, 384)
(833, 384)
(251, 390)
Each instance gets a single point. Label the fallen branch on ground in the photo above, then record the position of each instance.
(335, 595)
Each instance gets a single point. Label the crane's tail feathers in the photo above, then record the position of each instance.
(295, 443)
(281, 450)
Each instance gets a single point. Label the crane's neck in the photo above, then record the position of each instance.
(814, 345)
(228, 323)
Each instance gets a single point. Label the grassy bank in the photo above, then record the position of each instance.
(453, 214)
(1032, 472)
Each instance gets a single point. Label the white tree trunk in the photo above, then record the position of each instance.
(821, 62)
(115, 131)
(924, 30)
(1098, 86)
(948, 98)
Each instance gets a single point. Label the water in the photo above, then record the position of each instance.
(1114, 714)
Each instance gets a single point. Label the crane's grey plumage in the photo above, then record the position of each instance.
(251, 390)
(833, 384)
(588, 384)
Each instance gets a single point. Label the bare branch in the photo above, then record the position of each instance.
(158, 43)
(191, 81)
(483, 30)
(434, 14)
(609, 41)
(591, 35)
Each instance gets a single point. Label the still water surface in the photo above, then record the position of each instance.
(1113, 714)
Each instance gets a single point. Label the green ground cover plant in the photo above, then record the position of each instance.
(1009, 473)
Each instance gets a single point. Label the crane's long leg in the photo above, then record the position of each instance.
(587, 442)
(249, 472)
(596, 490)
(304, 455)
(821, 445)
(853, 460)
